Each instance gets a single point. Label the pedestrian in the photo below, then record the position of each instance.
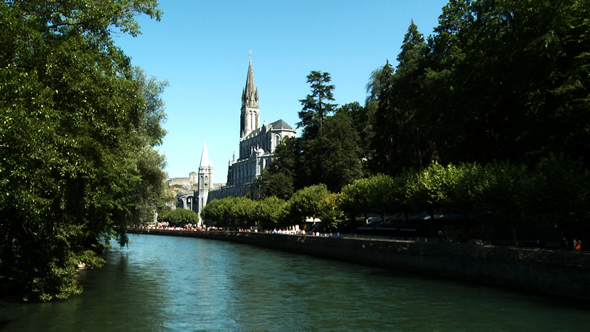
(577, 244)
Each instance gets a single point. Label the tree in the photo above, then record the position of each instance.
(150, 193)
(331, 214)
(380, 195)
(334, 157)
(154, 112)
(426, 191)
(270, 212)
(507, 81)
(383, 135)
(71, 111)
(465, 185)
(316, 106)
(181, 217)
(243, 211)
(307, 202)
(274, 185)
(400, 141)
(557, 196)
(216, 212)
(506, 191)
(355, 201)
(278, 179)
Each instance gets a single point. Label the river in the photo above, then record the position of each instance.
(164, 283)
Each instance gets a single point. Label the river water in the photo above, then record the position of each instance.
(163, 283)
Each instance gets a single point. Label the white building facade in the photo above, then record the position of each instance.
(257, 145)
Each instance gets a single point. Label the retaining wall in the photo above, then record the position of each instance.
(559, 272)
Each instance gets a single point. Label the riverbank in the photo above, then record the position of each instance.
(557, 272)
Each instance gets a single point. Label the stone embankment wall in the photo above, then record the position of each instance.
(559, 272)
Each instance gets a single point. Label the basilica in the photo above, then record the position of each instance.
(257, 144)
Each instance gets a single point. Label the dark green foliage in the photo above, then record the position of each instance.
(558, 193)
(334, 157)
(316, 106)
(360, 118)
(278, 185)
(78, 126)
(329, 150)
(400, 141)
(498, 80)
(279, 177)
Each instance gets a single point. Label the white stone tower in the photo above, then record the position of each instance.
(250, 115)
(205, 181)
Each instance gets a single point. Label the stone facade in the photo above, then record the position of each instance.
(183, 183)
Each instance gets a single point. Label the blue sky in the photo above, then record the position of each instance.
(202, 49)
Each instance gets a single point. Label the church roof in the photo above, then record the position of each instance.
(280, 124)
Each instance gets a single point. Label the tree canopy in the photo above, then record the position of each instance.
(497, 80)
(78, 126)
(317, 105)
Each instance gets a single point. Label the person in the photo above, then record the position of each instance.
(564, 243)
(577, 244)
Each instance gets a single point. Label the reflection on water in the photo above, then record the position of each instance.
(165, 283)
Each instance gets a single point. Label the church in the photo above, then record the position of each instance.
(257, 145)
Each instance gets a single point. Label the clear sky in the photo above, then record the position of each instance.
(202, 48)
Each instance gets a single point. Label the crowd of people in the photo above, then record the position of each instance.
(576, 243)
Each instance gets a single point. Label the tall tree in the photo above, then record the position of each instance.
(383, 137)
(316, 106)
(510, 79)
(399, 141)
(335, 156)
(361, 122)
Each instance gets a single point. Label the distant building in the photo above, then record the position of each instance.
(257, 145)
(184, 183)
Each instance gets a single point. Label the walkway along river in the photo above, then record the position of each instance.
(166, 283)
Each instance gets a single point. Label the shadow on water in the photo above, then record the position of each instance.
(5, 322)
(544, 300)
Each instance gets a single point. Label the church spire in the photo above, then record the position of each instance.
(204, 157)
(205, 182)
(250, 92)
(250, 115)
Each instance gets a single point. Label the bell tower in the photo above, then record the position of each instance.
(250, 114)
(205, 181)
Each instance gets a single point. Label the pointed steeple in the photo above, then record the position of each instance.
(250, 114)
(204, 157)
(250, 92)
